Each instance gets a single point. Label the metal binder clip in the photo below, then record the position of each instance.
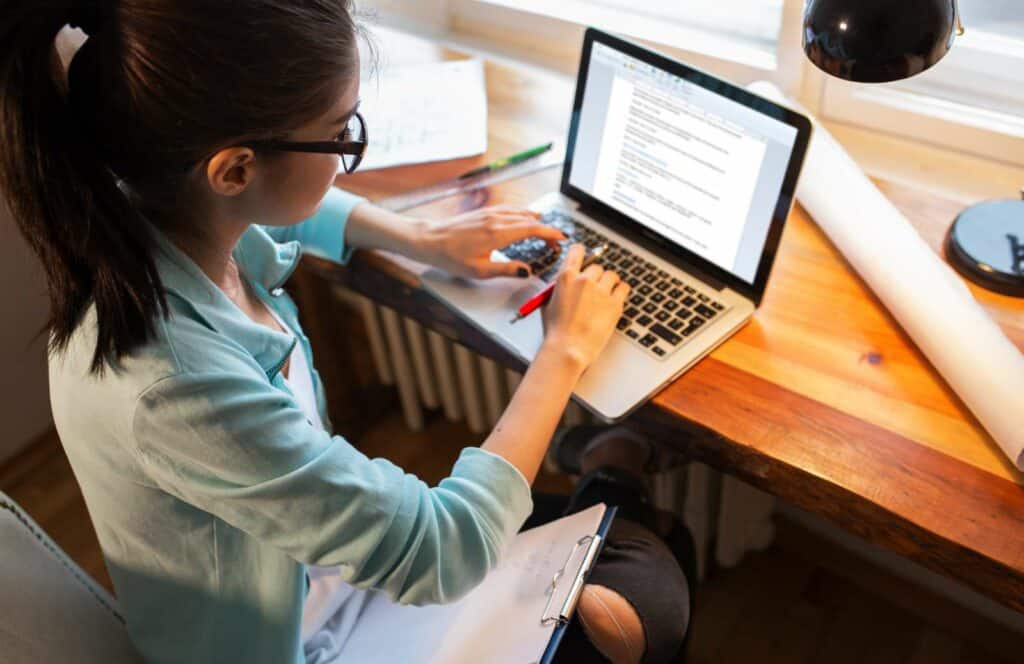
(593, 543)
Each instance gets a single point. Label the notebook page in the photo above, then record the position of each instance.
(424, 112)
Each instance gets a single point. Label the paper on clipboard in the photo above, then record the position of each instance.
(499, 621)
(424, 112)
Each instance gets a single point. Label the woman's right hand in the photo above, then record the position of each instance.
(584, 308)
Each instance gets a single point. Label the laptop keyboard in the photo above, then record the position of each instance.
(662, 313)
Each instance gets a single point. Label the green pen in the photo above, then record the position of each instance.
(507, 161)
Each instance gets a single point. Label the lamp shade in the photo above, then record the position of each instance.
(875, 41)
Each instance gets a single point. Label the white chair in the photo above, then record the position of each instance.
(50, 610)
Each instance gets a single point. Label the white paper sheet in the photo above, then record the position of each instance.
(424, 112)
(928, 299)
(498, 622)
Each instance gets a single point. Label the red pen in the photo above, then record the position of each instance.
(544, 295)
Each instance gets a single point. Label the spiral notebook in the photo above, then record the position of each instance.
(517, 615)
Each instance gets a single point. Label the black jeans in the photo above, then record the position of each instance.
(654, 574)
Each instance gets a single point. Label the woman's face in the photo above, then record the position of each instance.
(294, 183)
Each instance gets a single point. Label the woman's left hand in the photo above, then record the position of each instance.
(462, 245)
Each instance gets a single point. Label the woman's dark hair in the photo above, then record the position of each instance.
(87, 162)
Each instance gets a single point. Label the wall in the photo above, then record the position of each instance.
(24, 398)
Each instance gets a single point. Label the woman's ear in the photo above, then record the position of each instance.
(231, 170)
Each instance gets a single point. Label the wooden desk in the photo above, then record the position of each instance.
(821, 400)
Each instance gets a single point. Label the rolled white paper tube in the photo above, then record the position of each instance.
(922, 293)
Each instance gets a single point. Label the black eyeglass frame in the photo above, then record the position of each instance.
(337, 146)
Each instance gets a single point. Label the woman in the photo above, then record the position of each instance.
(162, 183)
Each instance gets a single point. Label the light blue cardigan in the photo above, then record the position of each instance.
(210, 491)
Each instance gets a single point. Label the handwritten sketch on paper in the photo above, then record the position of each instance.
(424, 112)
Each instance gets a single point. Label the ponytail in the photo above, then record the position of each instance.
(94, 246)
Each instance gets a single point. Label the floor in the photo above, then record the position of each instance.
(803, 600)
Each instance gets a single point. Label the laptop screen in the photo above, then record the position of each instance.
(699, 169)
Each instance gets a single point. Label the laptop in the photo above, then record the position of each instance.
(684, 182)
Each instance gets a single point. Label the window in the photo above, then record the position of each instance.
(744, 31)
(742, 40)
(985, 69)
(973, 99)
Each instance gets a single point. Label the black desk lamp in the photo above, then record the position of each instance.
(877, 41)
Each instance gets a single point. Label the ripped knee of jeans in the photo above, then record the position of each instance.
(612, 624)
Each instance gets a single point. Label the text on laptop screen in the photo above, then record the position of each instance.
(697, 168)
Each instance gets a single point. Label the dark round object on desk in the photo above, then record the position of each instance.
(875, 41)
(986, 245)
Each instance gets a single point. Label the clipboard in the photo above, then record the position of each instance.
(517, 615)
(577, 579)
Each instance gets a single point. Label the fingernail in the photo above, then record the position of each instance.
(523, 272)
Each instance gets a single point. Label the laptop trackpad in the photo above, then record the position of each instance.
(490, 305)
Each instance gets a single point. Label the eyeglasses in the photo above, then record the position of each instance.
(350, 144)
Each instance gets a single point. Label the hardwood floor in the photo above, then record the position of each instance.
(779, 607)
(801, 601)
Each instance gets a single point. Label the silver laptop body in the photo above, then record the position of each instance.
(682, 305)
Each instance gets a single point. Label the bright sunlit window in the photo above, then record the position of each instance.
(985, 69)
(741, 30)
(972, 99)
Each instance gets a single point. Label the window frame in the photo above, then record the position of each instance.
(901, 109)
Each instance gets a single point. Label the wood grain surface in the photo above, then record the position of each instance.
(821, 399)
